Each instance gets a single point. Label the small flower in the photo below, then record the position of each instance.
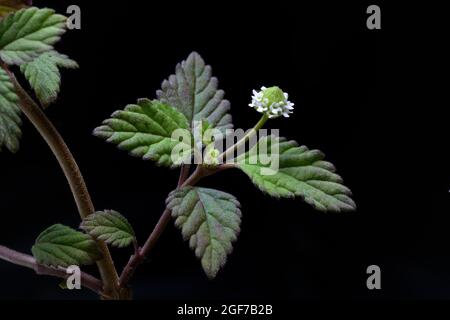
(272, 101)
(211, 157)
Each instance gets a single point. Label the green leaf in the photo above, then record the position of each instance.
(27, 33)
(145, 130)
(62, 60)
(10, 122)
(8, 6)
(210, 220)
(193, 91)
(44, 76)
(301, 172)
(109, 226)
(63, 246)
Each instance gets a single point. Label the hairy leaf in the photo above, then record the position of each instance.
(109, 226)
(10, 122)
(210, 220)
(193, 91)
(44, 76)
(63, 246)
(62, 60)
(27, 33)
(145, 130)
(301, 172)
(8, 6)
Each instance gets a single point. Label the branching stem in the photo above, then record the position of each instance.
(73, 175)
(140, 254)
(139, 257)
(199, 173)
(111, 285)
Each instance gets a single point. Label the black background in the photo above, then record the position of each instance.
(368, 98)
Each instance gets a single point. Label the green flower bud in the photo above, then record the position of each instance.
(211, 157)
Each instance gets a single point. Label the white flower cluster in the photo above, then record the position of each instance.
(272, 101)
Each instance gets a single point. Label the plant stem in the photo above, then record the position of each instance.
(230, 151)
(164, 220)
(28, 261)
(73, 175)
(199, 173)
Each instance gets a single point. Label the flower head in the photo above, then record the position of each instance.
(272, 101)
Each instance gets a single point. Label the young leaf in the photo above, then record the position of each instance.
(301, 172)
(10, 122)
(193, 91)
(63, 246)
(27, 33)
(109, 226)
(210, 220)
(44, 76)
(8, 6)
(145, 130)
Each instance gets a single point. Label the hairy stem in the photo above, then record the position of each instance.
(73, 175)
(199, 173)
(164, 220)
(139, 256)
(28, 261)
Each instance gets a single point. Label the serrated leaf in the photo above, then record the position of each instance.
(109, 226)
(44, 76)
(63, 246)
(193, 91)
(301, 173)
(8, 6)
(210, 220)
(62, 60)
(145, 130)
(10, 122)
(27, 33)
